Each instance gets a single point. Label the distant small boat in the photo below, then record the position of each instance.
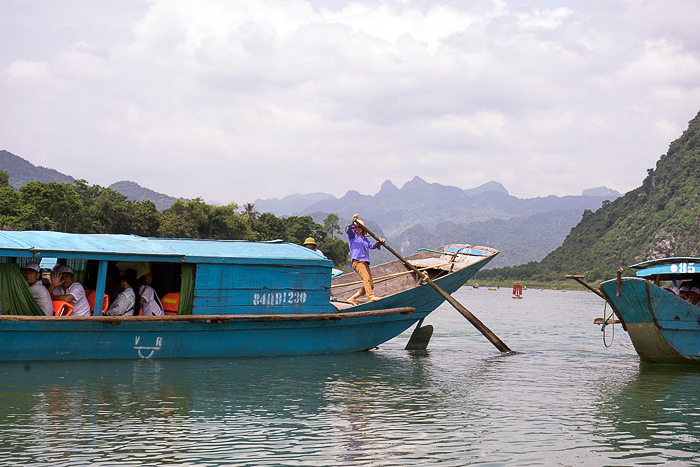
(662, 326)
(517, 291)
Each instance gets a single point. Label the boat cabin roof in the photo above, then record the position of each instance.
(131, 247)
(669, 268)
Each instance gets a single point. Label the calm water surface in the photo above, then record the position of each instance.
(564, 399)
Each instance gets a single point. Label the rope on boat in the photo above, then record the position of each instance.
(605, 323)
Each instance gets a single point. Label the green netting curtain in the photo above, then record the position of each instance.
(186, 288)
(15, 296)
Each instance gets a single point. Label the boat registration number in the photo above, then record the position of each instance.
(682, 268)
(279, 298)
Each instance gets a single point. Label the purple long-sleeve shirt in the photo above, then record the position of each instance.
(359, 245)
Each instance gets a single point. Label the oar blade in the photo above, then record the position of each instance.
(420, 338)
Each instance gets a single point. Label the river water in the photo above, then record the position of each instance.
(563, 399)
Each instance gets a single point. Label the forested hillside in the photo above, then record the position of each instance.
(136, 192)
(660, 218)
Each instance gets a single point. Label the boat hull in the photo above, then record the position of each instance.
(67, 338)
(662, 327)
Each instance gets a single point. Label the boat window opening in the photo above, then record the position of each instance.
(90, 280)
(166, 277)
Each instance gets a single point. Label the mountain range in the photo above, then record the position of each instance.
(425, 215)
(417, 215)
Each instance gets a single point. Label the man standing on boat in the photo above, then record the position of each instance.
(359, 253)
(64, 288)
(32, 274)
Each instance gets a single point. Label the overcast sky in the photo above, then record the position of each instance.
(238, 100)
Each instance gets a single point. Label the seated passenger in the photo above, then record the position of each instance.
(32, 274)
(125, 303)
(683, 292)
(113, 285)
(310, 243)
(150, 303)
(63, 287)
(673, 289)
(694, 296)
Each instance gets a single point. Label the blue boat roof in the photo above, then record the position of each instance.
(120, 247)
(680, 265)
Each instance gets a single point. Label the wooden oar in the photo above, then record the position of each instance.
(481, 327)
(580, 280)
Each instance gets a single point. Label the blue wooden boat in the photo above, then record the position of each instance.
(236, 298)
(663, 327)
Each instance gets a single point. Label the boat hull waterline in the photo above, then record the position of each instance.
(662, 327)
(106, 338)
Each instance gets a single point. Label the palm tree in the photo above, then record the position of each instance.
(250, 212)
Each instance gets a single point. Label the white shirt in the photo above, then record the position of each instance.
(123, 305)
(42, 297)
(81, 307)
(152, 305)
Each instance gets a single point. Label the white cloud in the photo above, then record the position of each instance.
(234, 101)
(26, 69)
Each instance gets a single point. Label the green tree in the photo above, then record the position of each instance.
(145, 218)
(9, 203)
(298, 228)
(335, 250)
(269, 227)
(227, 225)
(49, 206)
(177, 222)
(331, 225)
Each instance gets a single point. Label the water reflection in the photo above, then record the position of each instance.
(171, 410)
(653, 416)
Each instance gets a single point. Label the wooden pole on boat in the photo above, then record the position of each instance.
(579, 279)
(481, 327)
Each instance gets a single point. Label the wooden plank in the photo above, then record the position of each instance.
(214, 318)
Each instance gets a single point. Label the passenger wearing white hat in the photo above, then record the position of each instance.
(63, 287)
(694, 296)
(32, 274)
